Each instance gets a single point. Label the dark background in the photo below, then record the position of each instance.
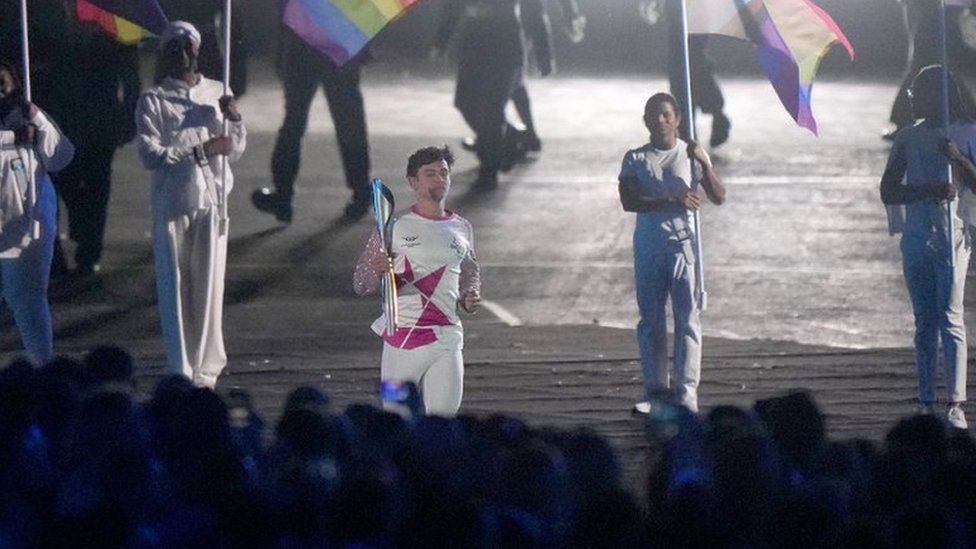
(619, 41)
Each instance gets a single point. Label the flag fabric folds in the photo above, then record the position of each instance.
(791, 38)
(341, 28)
(128, 21)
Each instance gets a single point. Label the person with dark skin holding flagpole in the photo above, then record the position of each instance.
(31, 146)
(180, 124)
(658, 183)
(917, 183)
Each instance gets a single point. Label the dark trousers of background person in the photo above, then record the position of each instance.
(301, 80)
(84, 186)
(523, 106)
(705, 92)
(481, 96)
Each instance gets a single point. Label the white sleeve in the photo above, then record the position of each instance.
(53, 148)
(152, 152)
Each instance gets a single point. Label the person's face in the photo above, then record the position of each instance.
(8, 85)
(926, 102)
(662, 120)
(433, 181)
(181, 56)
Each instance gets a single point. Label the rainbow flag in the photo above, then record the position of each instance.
(341, 28)
(128, 21)
(791, 38)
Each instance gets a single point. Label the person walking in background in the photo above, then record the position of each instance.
(657, 182)
(302, 70)
(915, 179)
(925, 48)
(573, 25)
(437, 276)
(94, 103)
(490, 65)
(31, 147)
(180, 125)
(705, 92)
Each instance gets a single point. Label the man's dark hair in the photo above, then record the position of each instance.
(427, 155)
(928, 82)
(659, 98)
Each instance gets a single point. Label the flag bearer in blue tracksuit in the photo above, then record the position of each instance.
(915, 186)
(656, 182)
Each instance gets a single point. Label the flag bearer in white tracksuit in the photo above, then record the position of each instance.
(180, 127)
(437, 276)
(31, 146)
(656, 181)
(916, 182)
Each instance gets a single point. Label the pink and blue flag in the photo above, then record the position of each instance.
(128, 21)
(791, 38)
(342, 28)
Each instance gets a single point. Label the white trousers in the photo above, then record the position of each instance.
(438, 373)
(936, 290)
(24, 281)
(662, 271)
(191, 259)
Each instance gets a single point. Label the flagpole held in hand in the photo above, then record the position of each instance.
(222, 195)
(689, 122)
(945, 127)
(383, 205)
(25, 50)
(35, 224)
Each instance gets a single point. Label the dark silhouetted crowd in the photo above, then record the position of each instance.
(87, 460)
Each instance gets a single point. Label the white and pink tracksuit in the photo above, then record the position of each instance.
(435, 266)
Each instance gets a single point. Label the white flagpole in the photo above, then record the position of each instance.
(689, 121)
(945, 125)
(222, 197)
(35, 224)
(25, 49)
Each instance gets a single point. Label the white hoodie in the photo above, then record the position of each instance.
(23, 171)
(173, 121)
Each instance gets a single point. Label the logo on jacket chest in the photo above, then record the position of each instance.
(410, 241)
(459, 248)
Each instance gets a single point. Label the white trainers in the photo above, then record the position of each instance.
(643, 407)
(956, 417)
